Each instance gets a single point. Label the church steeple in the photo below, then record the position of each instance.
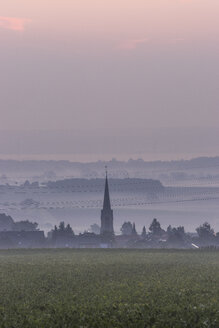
(106, 201)
(106, 212)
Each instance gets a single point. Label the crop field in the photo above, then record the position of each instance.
(109, 288)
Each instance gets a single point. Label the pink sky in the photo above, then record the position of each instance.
(13, 23)
(116, 20)
(109, 63)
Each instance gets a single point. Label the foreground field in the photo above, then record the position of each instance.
(109, 288)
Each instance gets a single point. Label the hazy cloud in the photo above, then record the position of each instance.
(13, 23)
(132, 44)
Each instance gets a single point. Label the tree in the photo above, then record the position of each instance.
(25, 226)
(53, 233)
(6, 222)
(63, 230)
(62, 234)
(181, 230)
(62, 226)
(126, 228)
(205, 232)
(26, 183)
(155, 227)
(95, 228)
(134, 232)
(144, 234)
(217, 237)
(69, 230)
(176, 235)
(169, 230)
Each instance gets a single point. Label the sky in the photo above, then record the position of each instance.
(109, 66)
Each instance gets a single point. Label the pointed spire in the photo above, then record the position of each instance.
(106, 212)
(106, 202)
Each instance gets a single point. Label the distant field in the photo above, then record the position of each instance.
(81, 205)
(109, 288)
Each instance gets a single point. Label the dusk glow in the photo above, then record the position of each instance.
(109, 65)
(13, 23)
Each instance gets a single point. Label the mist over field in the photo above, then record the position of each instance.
(182, 192)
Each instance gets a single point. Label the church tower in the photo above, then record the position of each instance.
(106, 212)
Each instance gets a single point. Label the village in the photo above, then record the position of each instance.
(25, 234)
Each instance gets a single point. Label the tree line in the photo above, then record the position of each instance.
(156, 235)
(205, 234)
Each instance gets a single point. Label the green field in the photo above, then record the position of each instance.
(109, 288)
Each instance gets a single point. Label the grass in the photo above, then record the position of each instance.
(109, 288)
